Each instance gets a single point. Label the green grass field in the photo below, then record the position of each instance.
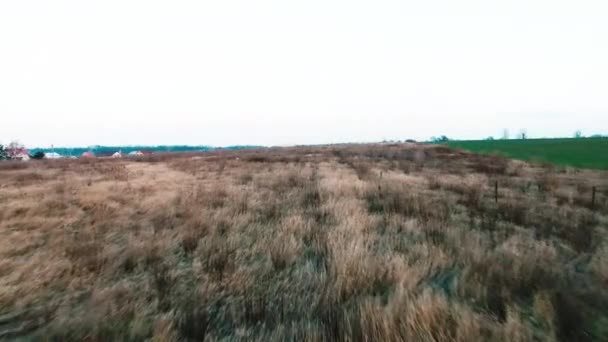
(589, 153)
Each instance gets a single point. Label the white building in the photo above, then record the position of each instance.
(52, 155)
(22, 156)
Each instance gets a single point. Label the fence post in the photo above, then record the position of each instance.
(496, 191)
(593, 189)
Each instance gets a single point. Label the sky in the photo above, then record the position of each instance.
(125, 72)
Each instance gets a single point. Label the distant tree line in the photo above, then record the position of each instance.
(440, 139)
(522, 135)
(3, 153)
(77, 151)
(12, 150)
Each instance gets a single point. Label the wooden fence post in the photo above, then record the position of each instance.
(496, 191)
(593, 189)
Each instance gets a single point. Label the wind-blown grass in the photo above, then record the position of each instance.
(338, 243)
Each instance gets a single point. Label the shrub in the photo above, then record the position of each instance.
(547, 182)
(38, 155)
(490, 165)
(387, 199)
(27, 178)
(3, 153)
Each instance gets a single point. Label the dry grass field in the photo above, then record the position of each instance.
(398, 242)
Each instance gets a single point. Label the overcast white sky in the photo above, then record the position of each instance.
(297, 72)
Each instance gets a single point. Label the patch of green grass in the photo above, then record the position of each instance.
(591, 153)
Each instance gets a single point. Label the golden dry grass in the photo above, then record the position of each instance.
(349, 243)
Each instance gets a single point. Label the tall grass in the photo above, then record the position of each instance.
(349, 242)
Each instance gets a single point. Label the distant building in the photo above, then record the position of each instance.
(18, 153)
(22, 156)
(135, 153)
(87, 155)
(52, 155)
(117, 155)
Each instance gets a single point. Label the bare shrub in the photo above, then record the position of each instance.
(361, 167)
(246, 178)
(13, 165)
(257, 159)
(355, 270)
(548, 182)
(192, 318)
(599, 263)
(576, 227)
(517, 269)
(84, 250)
(387, 199)
(514, 210)
(28, 178)
(405, 166)
(283, 250)
(216, 255)
(491, 165)
(191, 237)
(471, 192)
(433, 181)
(112, 170)
(269, 212)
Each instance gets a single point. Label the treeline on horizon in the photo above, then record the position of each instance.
(76, 151)
(102, 149)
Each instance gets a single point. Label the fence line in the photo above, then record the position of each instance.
(594, 190)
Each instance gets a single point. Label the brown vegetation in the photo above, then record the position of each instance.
(351, 242)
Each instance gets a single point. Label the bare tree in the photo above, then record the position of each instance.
(440, 139)
(15, 149)
(523, 135)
